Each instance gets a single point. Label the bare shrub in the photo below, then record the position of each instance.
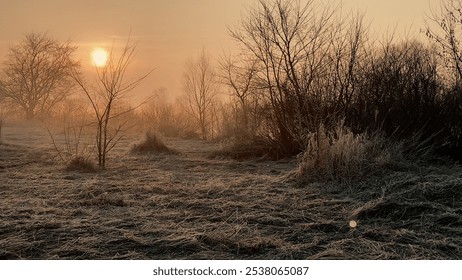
(151, 144)
(75, 149)
(341, 154)
(169, 118)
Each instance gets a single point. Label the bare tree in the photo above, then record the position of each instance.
(445, 29)
(37, 73)
(111, 87)
(307, 57)
(201, 87)
(290, 41)
(344, 57)
(239, 75)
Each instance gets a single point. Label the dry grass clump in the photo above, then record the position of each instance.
(342, 154)
(151, 144)
(81, 164)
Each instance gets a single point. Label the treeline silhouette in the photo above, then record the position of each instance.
(302, 70)
(316, 68)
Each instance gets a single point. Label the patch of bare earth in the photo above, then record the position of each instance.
(188, 206)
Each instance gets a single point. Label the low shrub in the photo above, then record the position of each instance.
(151, 144)
(74, 147)
(81, 164)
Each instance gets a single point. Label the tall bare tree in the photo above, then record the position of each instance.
(37, 73)
(201, 86)
(111, 87)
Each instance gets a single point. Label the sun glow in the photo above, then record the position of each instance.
(99, 57)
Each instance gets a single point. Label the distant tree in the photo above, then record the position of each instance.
(201, 87)
(239, 75)
(36, 74)
(111, 87)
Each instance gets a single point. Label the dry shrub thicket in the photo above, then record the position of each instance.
(167, 117)
(304, 70)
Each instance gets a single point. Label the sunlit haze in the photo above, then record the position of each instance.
(168, 32)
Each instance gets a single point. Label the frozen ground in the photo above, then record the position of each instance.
(189, 206)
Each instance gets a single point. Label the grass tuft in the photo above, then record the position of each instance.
(81, 164)
(151, 144)
(342, 154)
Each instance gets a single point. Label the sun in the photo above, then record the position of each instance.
(99, 57)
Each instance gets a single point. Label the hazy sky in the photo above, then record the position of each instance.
(168, 31)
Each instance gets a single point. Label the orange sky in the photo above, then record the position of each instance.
(169, 31)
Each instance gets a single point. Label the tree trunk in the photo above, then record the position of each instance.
(29, 113)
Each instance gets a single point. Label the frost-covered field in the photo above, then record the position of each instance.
(190, 206)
